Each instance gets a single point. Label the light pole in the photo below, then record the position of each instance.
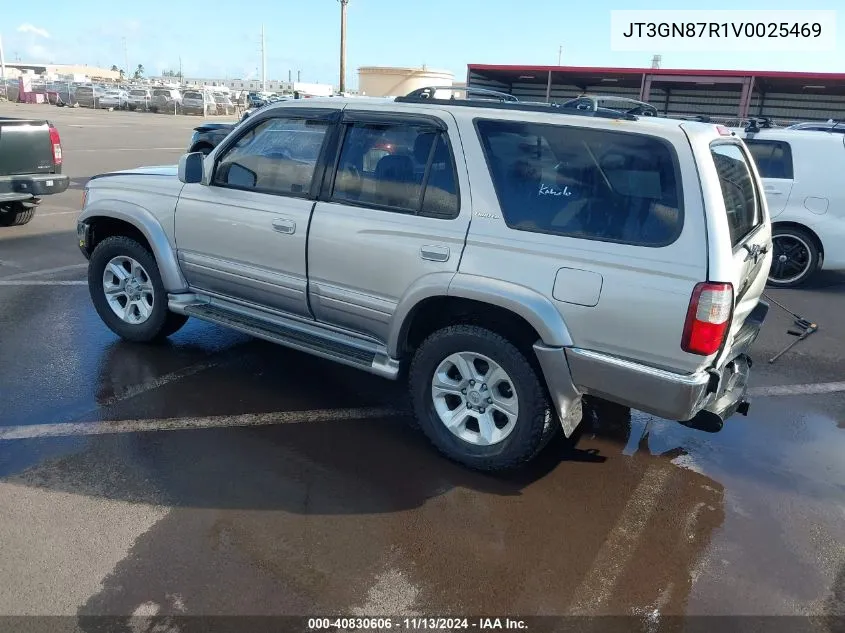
(125, 58)
(343, 5)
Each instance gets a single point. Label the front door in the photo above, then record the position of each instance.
(243, 234)
(391, 215)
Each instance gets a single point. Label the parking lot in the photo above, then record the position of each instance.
(249, 479)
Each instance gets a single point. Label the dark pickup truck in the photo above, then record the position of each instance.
(30, 167)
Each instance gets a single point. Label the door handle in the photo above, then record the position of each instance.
(287, 227)
(435, 253)
(773, 192)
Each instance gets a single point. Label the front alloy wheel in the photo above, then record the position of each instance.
(129, 290)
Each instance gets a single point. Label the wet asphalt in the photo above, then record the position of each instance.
(340, 515)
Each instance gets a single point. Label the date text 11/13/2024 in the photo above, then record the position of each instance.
(415, 624)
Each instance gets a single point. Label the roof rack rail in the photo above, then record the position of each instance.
(598, 102)
(505, 101)
(430, 92)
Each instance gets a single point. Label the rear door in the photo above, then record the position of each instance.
(774, 162)
(395, 210)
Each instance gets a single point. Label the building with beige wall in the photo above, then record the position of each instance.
(383, 81)
(52, 72)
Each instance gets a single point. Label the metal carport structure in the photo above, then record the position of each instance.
(721, 94)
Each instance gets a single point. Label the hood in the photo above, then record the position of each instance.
(161, 170)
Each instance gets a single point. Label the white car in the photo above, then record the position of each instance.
(117, 99)
(198, 102)
(139, 99)
(166, 99)
(802, 172)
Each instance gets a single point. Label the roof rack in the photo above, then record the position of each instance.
(760, 123)
(504, 101)
(597, 102)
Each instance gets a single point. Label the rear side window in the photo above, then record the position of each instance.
(773, 158)
(584, 183)
(738, 190)
(397, 167)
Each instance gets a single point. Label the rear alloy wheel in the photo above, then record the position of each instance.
(479, 400)
(795, 257)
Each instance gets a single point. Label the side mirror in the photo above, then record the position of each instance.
(191, 167)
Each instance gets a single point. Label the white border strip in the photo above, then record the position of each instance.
(67, 429)
(45, 271)
(31, 282)
(797, 390)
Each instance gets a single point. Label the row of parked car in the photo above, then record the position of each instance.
(154, 99)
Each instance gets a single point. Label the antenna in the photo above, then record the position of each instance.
(656, 61)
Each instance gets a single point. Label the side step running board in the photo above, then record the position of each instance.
(310, 338)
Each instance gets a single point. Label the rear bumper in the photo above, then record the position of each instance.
(702, 400)
(24, 187)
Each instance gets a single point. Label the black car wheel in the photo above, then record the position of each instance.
(795, 257)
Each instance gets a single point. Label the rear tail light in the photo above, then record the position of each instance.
(708, 318)
(56, 142)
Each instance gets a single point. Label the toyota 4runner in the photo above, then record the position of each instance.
(508, 258)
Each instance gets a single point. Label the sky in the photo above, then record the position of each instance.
(222, 39)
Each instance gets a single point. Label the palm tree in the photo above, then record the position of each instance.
(139, 72)
(114, 68)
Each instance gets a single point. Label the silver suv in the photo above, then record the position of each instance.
(511, 259)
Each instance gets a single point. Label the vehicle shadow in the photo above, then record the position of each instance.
(308, 518)
(352, 460)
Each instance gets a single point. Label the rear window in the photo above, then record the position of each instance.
(773, 158)
(192, 95)
(584, 183)
(138, 93)
(738, 190)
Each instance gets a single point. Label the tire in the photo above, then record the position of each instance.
(159, 323)
(530, 429)
(795, 257)
(16, 216)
